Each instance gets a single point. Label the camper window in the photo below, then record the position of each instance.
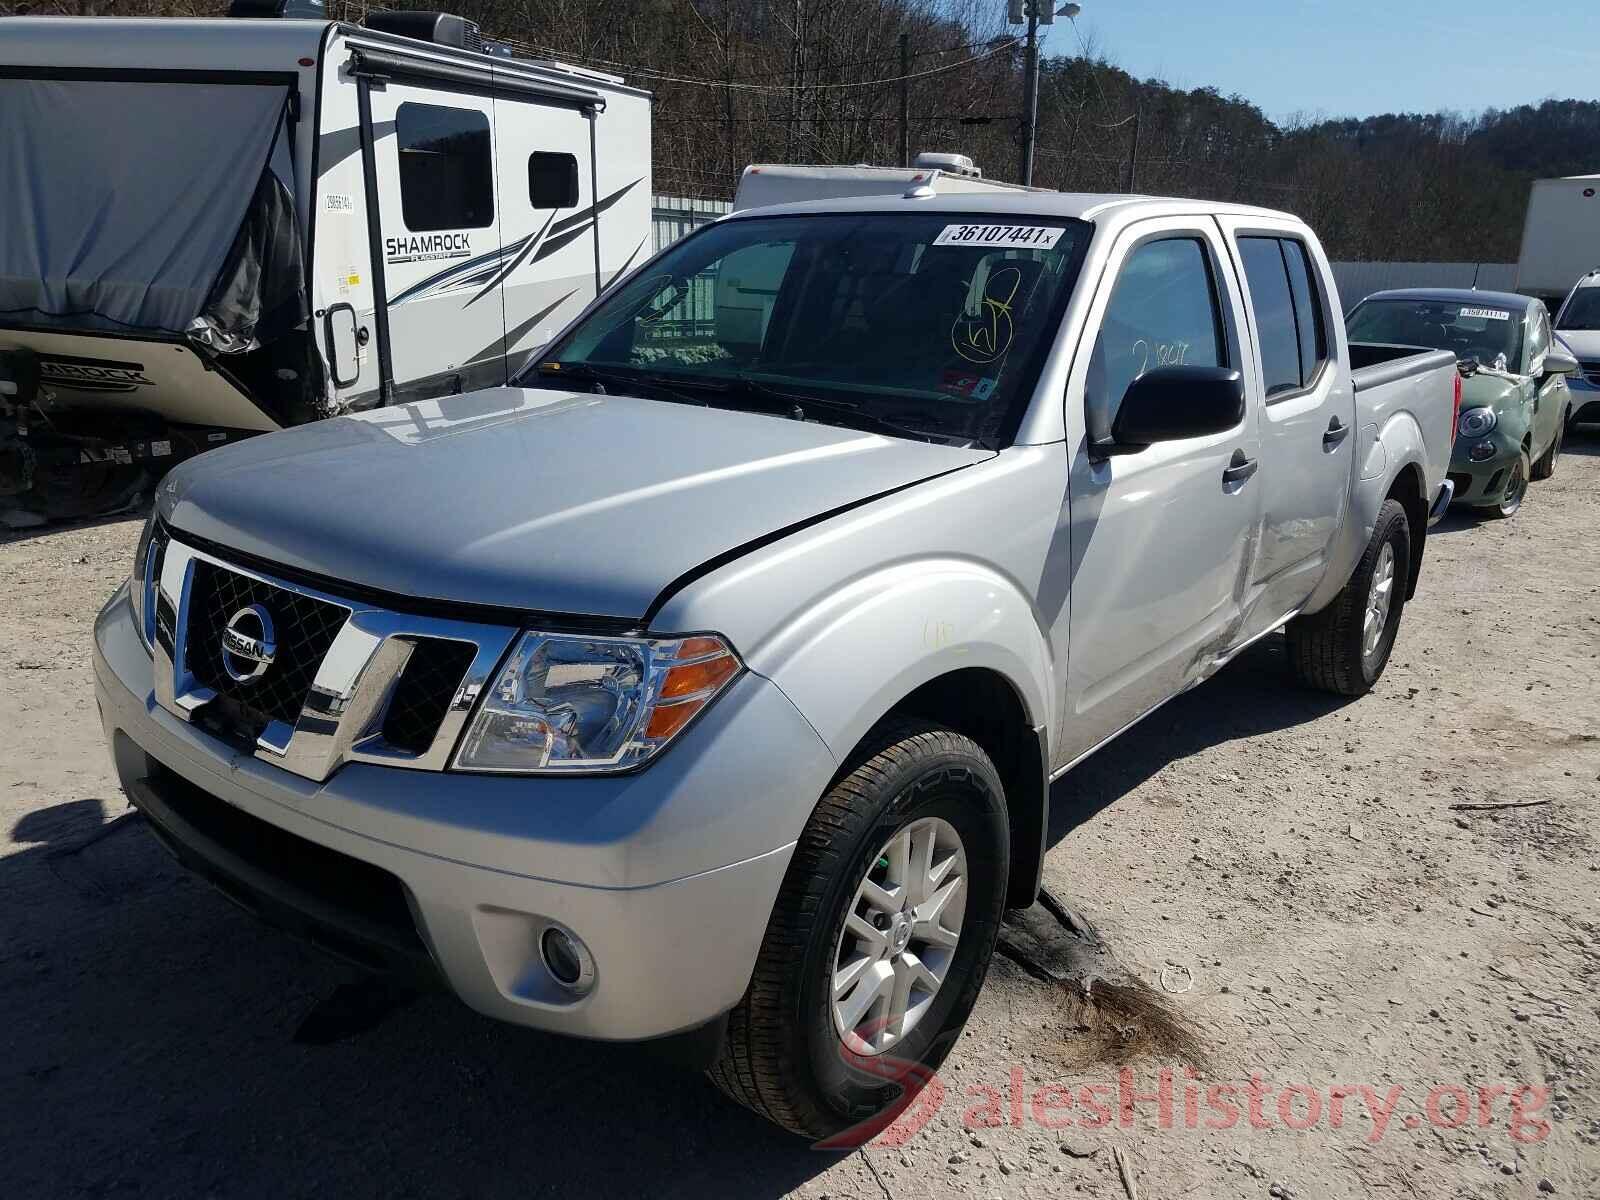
(552, 180)
(446, 175)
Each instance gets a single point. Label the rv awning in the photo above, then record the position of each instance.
(121, 199)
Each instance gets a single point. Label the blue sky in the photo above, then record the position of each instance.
(1352, 57)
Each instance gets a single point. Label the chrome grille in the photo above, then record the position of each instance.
(306, 629)
(350, 681)
(431, 677)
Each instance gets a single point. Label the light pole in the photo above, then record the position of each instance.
(1036, 12)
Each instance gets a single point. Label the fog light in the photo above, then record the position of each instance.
(1482, 452)
(567, 959)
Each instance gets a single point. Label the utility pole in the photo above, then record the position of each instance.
(905, 99)
(1133, 155)
(1037, 13)
(1030, 99)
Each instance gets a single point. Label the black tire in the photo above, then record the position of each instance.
(1516, 488)
(1545, 465)
(782, 1056)
(1327, 649)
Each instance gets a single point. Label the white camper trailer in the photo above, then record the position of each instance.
(1560, 237)
(221, 227)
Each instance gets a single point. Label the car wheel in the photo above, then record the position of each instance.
(1344, 647)
(1545, 465)
(1516, 488)
(880, 938)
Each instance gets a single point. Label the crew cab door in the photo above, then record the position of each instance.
(438, 216)
(1308, 434)
(1163, 539)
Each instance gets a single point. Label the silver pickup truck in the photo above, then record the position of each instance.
(709, 682)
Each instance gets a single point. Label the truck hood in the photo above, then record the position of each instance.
(532, 499)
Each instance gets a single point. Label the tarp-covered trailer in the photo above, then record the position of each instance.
(215, 228)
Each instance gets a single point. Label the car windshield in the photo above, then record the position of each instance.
(1476, 329)
(1583, 310)
(920, 325)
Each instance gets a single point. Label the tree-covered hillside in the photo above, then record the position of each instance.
(740, 81)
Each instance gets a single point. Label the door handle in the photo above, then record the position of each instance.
(1239, 468)
(1337, 432)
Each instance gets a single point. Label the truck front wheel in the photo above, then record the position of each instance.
(880, 938)
(1344, 648)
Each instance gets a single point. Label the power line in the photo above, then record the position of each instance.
(669, 118)
(661, 77)
(785, 73)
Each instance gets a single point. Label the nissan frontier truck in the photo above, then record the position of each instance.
(708, 682)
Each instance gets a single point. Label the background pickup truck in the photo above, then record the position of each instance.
(710, 682)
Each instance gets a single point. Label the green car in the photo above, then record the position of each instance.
(1514, 397)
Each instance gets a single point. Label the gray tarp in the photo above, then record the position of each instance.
(121, 200)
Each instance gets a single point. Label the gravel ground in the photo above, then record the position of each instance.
(1286, 871)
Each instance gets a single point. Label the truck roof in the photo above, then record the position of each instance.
(1078, 206)
(1458, 296)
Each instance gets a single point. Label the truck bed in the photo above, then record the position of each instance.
(1376, 363)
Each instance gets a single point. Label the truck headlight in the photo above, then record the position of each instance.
(1476, 422)
(568, 703)
(146, 577)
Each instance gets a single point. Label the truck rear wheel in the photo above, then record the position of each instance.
(880, 938)
(1344, 648)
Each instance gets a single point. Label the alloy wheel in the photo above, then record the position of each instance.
(900, 935)
(1380, 596)
(1516, 488)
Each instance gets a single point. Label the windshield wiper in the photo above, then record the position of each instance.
(617, 378)
(719, 392)
(850, 414)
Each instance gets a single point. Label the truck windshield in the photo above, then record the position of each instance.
(927, 325)
(1467, 328)
(1582, 311)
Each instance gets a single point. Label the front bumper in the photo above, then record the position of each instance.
(1482, 482)
(668, 875)
(1441, 502)
(1585, 400)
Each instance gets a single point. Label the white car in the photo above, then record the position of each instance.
(1578, 325)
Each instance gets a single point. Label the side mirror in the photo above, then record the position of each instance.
(1558, 362)
(1169, 404)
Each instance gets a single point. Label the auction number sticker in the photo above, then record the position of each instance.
(1001, 237)
(1487, 314)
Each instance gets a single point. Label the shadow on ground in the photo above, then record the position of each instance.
(149, 1034)
(1254, 694)
(11, 536)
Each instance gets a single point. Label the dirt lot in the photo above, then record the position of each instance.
(1286, 870)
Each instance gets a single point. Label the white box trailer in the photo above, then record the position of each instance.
(215, 228)
(1560, 237)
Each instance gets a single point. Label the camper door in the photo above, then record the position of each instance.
(548, 217)
(439, 217)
